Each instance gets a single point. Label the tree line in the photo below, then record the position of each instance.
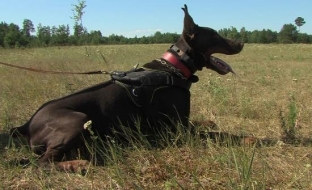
(13, 36)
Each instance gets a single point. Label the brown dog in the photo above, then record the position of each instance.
(157, 93)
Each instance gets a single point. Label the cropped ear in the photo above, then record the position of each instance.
(189, 29)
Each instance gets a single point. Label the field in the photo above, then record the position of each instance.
(269, 98)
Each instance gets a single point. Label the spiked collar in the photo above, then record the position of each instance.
(180, 60)
(174, 61)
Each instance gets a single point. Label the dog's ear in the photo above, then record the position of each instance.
(189, 29)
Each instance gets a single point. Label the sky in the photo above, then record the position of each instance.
(132, 18)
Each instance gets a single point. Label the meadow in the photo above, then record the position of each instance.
(270, 98)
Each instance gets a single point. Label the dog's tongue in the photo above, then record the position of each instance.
(220, 66)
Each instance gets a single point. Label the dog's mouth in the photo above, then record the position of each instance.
(229, 47)
(219, 66)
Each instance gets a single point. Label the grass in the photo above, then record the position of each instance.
(269, 98)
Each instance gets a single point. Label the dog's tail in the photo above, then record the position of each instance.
(19, 131)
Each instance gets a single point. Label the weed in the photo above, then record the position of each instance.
(289, 123)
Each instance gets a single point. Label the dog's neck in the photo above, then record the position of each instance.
(177, 56)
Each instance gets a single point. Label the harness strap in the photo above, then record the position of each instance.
(141, 85)
(135, 94)
(142, 77)
(129, 92)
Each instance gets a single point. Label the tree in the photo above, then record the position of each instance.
(115, 39)
(223, 32)
(95, 37)
(13, 36)
(158, 37)
(266, 36)
(243, 34)
(303, 38)
(78, 12)
(253, 37)
(299, 22)
(60, 35)
(28, 28)
(143, 40)
(43, 35)
(78, 30)
(288, 34)
(233, 33)
(4, 29)
(271, 36)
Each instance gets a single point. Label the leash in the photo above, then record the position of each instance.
(54, 72)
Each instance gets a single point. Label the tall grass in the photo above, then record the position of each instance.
(247, 103)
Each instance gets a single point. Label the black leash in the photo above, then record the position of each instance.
(55, 72)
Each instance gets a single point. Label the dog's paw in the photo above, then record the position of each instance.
(74, 166)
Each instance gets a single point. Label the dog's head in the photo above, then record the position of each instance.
(202, 42)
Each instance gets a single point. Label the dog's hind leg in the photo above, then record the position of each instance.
(60, 137)
(75, 166)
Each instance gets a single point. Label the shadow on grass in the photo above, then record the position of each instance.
(227, 139)
(4, 141)
(8, 149)
(223, 138)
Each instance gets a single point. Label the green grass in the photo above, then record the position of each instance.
(270, 79)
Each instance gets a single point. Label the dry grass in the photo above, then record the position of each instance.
(268, 77)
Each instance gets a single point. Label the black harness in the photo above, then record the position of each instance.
(142, 84)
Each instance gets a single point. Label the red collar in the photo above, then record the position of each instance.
(177, 64)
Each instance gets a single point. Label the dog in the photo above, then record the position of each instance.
(157, 92)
